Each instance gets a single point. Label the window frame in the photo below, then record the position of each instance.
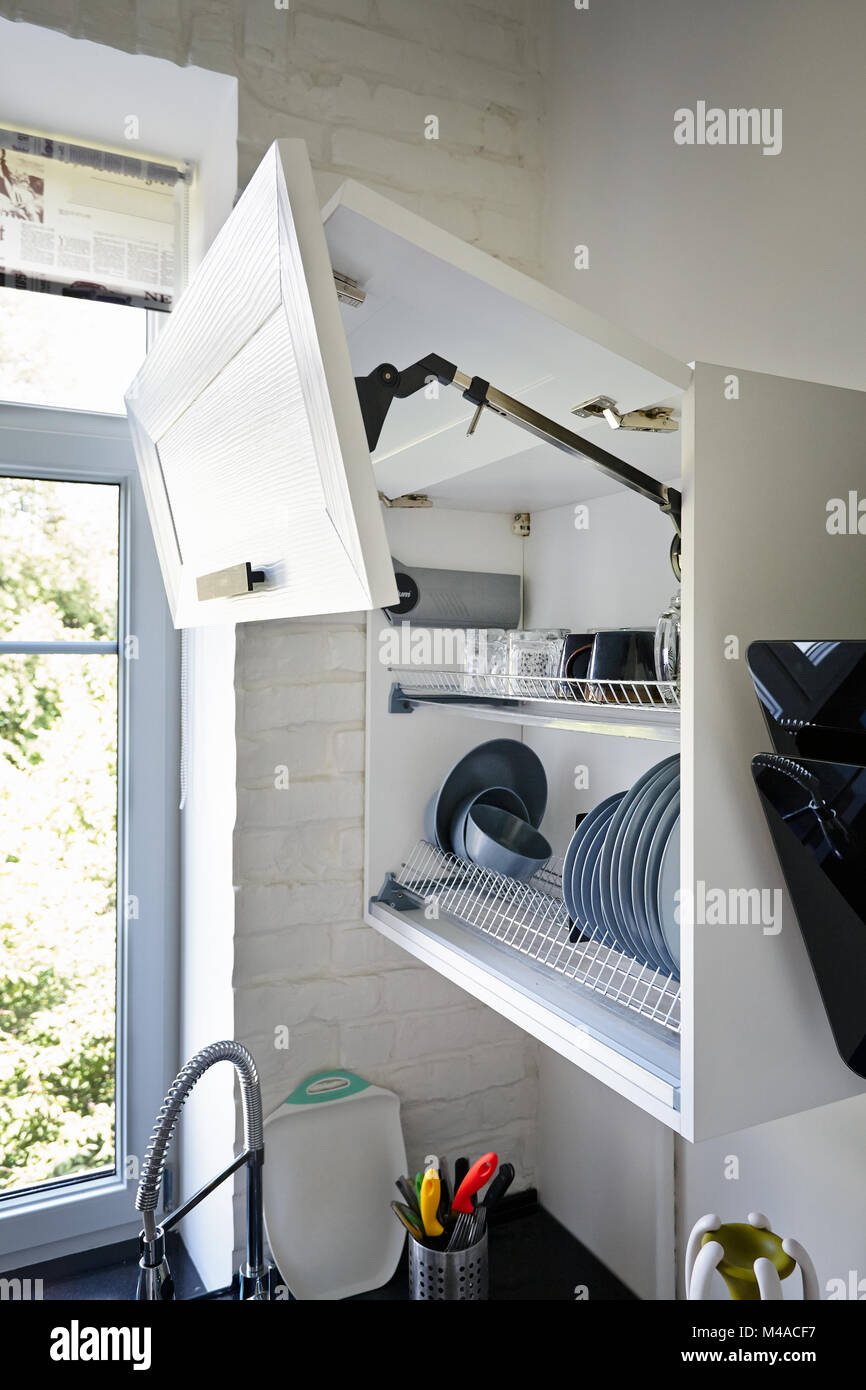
(82, 446)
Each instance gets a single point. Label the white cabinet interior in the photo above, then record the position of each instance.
(757, 468)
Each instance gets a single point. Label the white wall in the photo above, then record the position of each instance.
(726, 255)
(606, 1171)
(207, 1134)
(714, 253)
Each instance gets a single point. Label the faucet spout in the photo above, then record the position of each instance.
(155, 1279)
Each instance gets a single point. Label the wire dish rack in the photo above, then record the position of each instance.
(532, 919)
(631, 694)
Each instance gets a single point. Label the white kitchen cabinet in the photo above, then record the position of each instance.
(758, 458)
(743, 1038)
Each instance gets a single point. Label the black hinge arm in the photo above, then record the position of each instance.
(384, 383)
(377, 391)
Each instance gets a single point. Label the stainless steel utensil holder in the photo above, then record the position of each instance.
(443, 1274)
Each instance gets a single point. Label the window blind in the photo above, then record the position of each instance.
(91, 223)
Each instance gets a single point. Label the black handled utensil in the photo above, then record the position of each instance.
(444, 1191)
(500, 1185)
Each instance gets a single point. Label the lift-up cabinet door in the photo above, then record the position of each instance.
(248, 429)
(764, 557)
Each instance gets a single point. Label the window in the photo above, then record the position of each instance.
(95, 224)
(58, 829)
(68, 352)
(90, 239)
(55, 84)
(89, 714)
(88, 697)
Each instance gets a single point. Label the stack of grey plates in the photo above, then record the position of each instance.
(621, 875)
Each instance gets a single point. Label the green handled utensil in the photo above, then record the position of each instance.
(409, 1220)
(407, 1192)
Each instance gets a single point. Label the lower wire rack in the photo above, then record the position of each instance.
(532, 919)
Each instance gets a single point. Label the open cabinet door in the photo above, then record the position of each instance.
(764, 558)
(247, 426)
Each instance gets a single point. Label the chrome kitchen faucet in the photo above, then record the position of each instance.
(255, 1278)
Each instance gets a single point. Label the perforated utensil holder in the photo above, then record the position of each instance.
(443, 1274)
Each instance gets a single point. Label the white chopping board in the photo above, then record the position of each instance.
(333, 1151)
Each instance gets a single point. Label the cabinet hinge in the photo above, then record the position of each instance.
(408, 499)
(651, 419)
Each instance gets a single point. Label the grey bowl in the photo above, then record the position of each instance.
(503, 797)
(495, 839)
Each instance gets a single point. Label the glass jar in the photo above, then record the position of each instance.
(535, 653)
(485, 651)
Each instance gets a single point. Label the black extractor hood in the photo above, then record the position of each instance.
(813, 792)
(813, 697)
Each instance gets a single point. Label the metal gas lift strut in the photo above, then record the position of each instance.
(385, 382)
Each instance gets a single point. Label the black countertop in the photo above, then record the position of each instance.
(530, 1256)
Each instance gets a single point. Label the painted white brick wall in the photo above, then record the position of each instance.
(357, 79)
(304, 961)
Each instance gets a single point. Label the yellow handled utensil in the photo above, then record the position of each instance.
(430, 1203)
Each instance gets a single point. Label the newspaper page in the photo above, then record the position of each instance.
(88, 223)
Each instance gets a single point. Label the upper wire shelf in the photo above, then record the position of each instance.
(532, 919)
(645, 695)
(630, 709)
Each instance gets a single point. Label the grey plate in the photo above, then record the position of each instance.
(596, 902)
(645, 808)
(589, 849)
(577, 848)
(650, 930)
(503, 762)
(669, 885)
(587, 913)
(653, 868)
(616, 925)
(620, 866)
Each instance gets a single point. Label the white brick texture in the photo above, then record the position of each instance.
(356, 79)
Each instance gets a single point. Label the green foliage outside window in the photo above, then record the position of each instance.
(58, 793)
